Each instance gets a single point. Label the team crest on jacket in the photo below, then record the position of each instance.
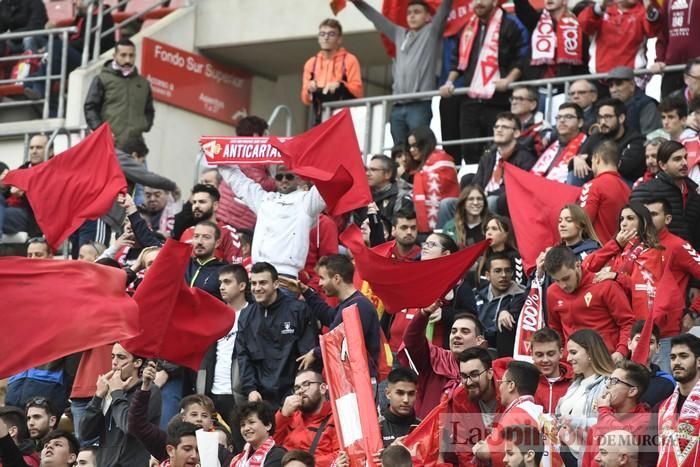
(287, 328)
(588, 297)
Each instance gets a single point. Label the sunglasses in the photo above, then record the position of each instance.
(288, 176)
(38, 402)
(36, 240)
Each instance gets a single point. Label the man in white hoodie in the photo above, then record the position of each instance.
(285, 218)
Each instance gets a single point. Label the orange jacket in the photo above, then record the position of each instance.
(341, 65)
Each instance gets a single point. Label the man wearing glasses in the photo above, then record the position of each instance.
(691, 78)
(332, 74)
(619, 408)
(305, 420)
(553, 164)
(584, 93)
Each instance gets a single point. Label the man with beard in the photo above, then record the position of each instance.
(641, 109)
(203, 269)
(305, 420)
(205, 203)
(14, 436)
(678, 419)
(553, 164)
(404, 246)
(399, 416)
(613, 126)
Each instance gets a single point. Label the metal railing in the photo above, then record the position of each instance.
(50, 75)
(384, 101)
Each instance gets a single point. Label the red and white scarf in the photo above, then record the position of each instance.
(253, 459)
(554, 165)
(679, 437)
(487, 71)
(561, 44)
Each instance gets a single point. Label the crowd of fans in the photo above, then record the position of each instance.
(263, 244)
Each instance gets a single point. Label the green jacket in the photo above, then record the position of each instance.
(125, 102)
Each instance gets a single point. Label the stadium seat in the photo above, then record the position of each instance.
(60, 12)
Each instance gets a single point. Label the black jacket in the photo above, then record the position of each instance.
(631, 147)
(685, 218)
(522, 157)
(269, 341)
(205, 275)
(395, 426)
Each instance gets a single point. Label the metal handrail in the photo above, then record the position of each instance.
(133, 18)
(276, 112)
(37, 32)
(385, 100)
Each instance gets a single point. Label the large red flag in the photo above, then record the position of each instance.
(329, 156)
(424, 441)
(338, 5)
(79, 184)
(347, 373)
(411, 284)
(534, 204)
(180, 323)
(51, 309)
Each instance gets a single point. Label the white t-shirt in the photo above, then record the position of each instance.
(224, 355)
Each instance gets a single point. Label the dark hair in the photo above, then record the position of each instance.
(246, 236)
(251, 126)
(109, 262)
(389, 165)
(73, 445)
(237, 271)
(210, 190)
(460, 218)
(646, 230)
(690, 64)
(618, 106)
(525, 376)
(527, 438)
(124, 42)
(470, 317)
(396, 455)
(637, 375)
(576, 108)
(639, 325)
(476, 353)
(505, 225)
(14, 416)
(510, 116)
(425, 143)
(42, 403)
(219, 177)
(200, 399)
(402, 375)
(666, 150)
(544, 335)
(332, 23)
(217, 232)
(595, 347)
(531, 93)
(447, 243)
(689, 340)
(496, 257)
(670, 103)
(404, 213)
(693, 105)
(423, 3)
(338, 264)
(178, 429)
(135, 144)
(262, 266)
(558, 257)
(662, 201)
(299, 456)
(92, 449)
(608, 151)
(263, 410)
(397, 150)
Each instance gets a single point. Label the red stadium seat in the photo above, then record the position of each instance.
(60, 12)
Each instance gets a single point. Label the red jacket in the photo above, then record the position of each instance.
(677, 41)
(603, 307)
(93, 363)
(323, 241)
(618, 38)
(603, 198)
(684, 263)
(548, 393)
(635, 422)
(299, 430)
(434, 182)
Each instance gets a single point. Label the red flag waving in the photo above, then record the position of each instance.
(79, 184)
(329, 156)
(534, 204)
(347, 372)
(51, 309)
(403, 284)
(175, 314)
(338, 5)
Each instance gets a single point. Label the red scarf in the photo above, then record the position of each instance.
(679, 434)
(556, 167)
(487, 70)
(255, 459)
(431, 184)
(555, 45)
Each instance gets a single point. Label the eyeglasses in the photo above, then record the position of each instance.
(615, 381)
(473, 376)
(520, 99)
(503, 127)
(478, 200)
(499, 271)
(36, 240)
(286, 176)
(328, 34)
(431, 244)
(38, 402)
(691, 76)
(303, 387)
(563, 117)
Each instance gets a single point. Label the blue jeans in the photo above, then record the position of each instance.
(171, 395)
(406, 117)
(663, 356)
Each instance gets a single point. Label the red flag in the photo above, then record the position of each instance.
(347, 373)
(182, 321)
(79, 184)
(667, 302)
(534, 204)
(403, 284)
(338, 5)
(329, 156)
(424, 440)
(51, 309)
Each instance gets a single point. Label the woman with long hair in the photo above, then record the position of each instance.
(467, 226)
(434, 177)
(576, 230)
(499, 230)
(633, 258)
(576, 411)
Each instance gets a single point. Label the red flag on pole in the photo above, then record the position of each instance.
(347, 374)
(186, 321)
(534, 204)
(79, 184)
(402, 284)
(530, 320)
(329, 156)
(51, 309)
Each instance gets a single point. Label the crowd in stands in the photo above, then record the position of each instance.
(264, 243)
